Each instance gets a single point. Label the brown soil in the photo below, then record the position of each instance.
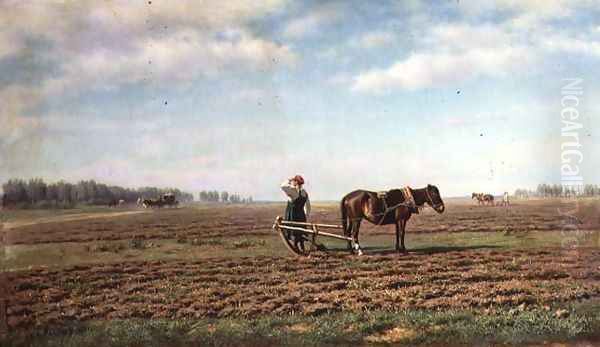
(253, 286)
(250, 287)
(232, 221)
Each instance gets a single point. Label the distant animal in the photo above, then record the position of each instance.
(505, 200)
(149, 203)
(488, 199)
(121, 202)
(168, 199)
(393, 207)
(478, 196)
(483, 199)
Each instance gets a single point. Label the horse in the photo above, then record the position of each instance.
(488, 198)
(112, 203)
(394, 207)
(483, 199)
(152, 203)
(478, 196)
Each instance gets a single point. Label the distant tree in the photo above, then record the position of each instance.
(52, 192)
(36, 191)
(224, 196)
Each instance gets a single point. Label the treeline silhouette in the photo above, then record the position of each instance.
(19, 193)
(225, 197)
(559, 191)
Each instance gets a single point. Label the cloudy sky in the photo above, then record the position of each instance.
(241, 94)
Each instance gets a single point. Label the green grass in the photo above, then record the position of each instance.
(73, 253)
(12, 215)
(57, 255)
(415, 326)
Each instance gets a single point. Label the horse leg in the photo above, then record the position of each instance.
(403, 249)
(348, 233)
(355, 231)
(398, 236)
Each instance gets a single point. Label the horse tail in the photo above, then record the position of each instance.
(344, 214)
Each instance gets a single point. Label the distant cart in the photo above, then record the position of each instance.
(288, 229)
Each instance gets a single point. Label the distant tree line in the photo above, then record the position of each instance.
(224, 197)
(559, 191)
(37, 193)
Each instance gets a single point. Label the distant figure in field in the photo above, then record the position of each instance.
(488, 199)
(505, 201)
(298, 206)
(478, 196)
(483, 199)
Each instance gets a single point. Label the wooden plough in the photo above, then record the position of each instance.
(289, 231)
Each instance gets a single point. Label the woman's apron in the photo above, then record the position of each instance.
(294, 210)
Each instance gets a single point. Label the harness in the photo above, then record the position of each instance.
(435, 206)
(409, 201)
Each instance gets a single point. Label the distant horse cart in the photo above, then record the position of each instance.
(167, 199)
(380, 208)
(115, 203)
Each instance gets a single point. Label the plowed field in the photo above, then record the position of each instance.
(250, 284)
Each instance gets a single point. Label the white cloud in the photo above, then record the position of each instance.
(458, 52)
(544, 9)
(450, 54)
(14, 122)
(312, 23)
(104, 45)
(562, 43)
(178, 58)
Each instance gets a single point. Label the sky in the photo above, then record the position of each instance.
(238, 95)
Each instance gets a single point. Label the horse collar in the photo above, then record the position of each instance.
(408, 194)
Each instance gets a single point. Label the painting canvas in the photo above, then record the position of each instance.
(277, 172)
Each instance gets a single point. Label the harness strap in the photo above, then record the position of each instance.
(409, 201)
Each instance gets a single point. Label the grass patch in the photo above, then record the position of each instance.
(409, 327)
(106, 246)
(247, 243)
(200, 242)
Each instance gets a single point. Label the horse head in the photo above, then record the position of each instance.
(434, 199)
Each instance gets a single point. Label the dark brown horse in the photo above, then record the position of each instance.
(393, 208)
(478, 196)
(488, 199)
(483, 199)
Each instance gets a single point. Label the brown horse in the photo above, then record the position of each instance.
(489, 199)
(483, 199)
(395, 207)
